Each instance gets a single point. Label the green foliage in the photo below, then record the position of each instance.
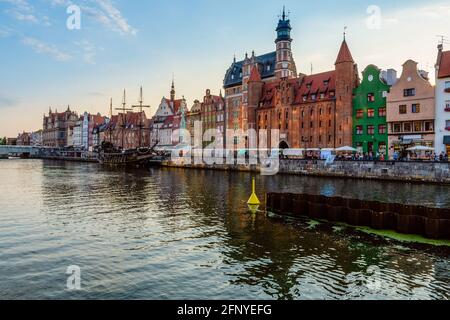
(3, 141)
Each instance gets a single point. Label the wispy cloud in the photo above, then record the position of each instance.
(6, 102)
(115, 17)
(44, 48)
(104, 12)
(22, 10)
(89, 50)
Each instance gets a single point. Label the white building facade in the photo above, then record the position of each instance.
(442, 142)
(77, 134)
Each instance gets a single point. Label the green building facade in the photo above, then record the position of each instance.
(370, 131)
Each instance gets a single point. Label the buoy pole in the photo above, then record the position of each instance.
(253, 200)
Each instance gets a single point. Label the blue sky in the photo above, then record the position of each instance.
(125, 44)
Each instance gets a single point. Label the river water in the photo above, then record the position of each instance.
(187, 234)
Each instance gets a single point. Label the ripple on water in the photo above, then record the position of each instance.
(174, 234)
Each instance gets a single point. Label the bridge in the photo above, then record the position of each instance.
(23, 150)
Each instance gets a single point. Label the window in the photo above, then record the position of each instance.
(447, 105)
(382, 112)
(332, 94)
(409, 92)
(322, 96)
(320, 124)
(382, 129)
(417, 126)
(429, 126)
(371, 113)
(447, 85)
(370, 97)
(416, 108)
(407, 127)
(402, 109)
(397, 127)
(311, 125)
(359, 114)
(320, 111)
(447, 124)
(305, 98)
(359, 130)
(370, 129)
(313, 97)
(329, 123)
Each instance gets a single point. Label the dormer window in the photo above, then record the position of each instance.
(305, 97)
(232, 77)
(268, 67)
(331, 94)
(308, 86)
(409, 92)
(326, 82)
(313, 96)
(322, 96)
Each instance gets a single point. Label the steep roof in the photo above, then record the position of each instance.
(316, 84)
(267, 62)
(444, 66)
(255, 76)
(344, 54)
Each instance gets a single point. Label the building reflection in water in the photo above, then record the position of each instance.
(201, 219)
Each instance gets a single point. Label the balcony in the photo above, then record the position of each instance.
(447, 90)
(448, 128)
(447, 109)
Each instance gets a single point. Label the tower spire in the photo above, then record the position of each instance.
(172, 91)
(345, 32)
(284, 13)
(110, 108)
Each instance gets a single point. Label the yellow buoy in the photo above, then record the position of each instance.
(253, 198)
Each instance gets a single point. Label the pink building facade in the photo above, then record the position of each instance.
(411, 111)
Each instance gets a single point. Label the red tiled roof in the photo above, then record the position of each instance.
(324, 82)
(444, 66)
(255, 76)
(344, 54)
(176, 105)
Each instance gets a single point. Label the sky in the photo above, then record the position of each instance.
(123, 44)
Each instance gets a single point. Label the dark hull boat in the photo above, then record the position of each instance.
(108, 155)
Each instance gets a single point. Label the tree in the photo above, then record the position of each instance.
(2, 141)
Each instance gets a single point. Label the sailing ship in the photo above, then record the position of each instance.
(109, 154)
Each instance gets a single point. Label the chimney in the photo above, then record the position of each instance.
(390, 76)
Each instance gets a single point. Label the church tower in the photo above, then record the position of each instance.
(172, 91)
(347, 80)
(285, 66)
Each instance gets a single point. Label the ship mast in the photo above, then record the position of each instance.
(124, 110)
(141, 106)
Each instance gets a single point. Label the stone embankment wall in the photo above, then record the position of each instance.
(428, 172)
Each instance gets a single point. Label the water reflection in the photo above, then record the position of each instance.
(172, 233)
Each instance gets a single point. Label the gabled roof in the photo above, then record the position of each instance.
(344, 54)
(444, 66)
(176, 105)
